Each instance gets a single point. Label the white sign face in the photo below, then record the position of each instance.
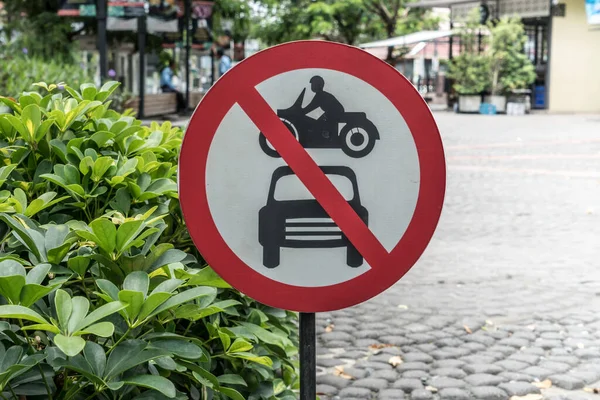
(263, 211)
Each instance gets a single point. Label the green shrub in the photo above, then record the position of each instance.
(102, 293)
(20, 71)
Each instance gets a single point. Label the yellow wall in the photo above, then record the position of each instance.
(574, 62)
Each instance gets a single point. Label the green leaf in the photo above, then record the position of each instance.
(11, 286)
(37, 274)
(101, 137)
(240, 345)
(40, 204)
(232, 379)
(205, 277)
(231, 393)
(180, 348)
(134, 301)
(127, 233)
(31, 117)
(21, 197)
(99, 313)
(154, 382)
(88, 91)
(101, 165)
(64, 307)
(106, 90)
(70, 345)
(225, 340)
(137, 281)
(33, 292)
(102, 329)
(81, 306)
(94, 354)
(254, 358)
(109, 288)
(106, 234)
(41, 327)
(6, 171)
(152, 302)
(184, 297)
(79, 264)
(128, 355)
(19, 312)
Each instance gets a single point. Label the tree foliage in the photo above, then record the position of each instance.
(346, 21)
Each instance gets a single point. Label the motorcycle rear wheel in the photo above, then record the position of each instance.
(357, 141)
(266, 146)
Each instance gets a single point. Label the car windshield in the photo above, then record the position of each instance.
(289, 187)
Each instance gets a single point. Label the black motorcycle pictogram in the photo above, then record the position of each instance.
(356, 137)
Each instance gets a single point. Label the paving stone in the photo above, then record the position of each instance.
(365, 343)
(417, 328)
(392, 351)
(421, 394)
(426, 348)
(389, 375)
(548, 343)
(395, 340)
(441, 382)
(454, 394)
(488, 393)
(537, 372)
(525, 335)
(456, 373)
(483, 369)
(512, 365)
(408, 384)
(480, 338)
(340, 344)
(485, 380)
(337, 336)
(391, 394)
(535, 350)
(548, 328)
(495, 355)
(478, 359)
(442, 355)
(415, 374)
(571, 360)
(526, 358)
(474, 346)
(567, 382)
(420, 337)
(374, 326)
(514, 342)
(326, 390)
(417, 357)
(358, 392)
(356, 373)
(587, 376)
(366, 334)
(448, 363)
(450, 342)
(516, 376)
(374, 384)
(518, 388)
(333, 380)
(561, 351)
(556, 367)
(587, 354)
(552, 335)
(407, 366)
(329, 362)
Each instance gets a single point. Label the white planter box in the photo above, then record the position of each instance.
(498, 101)
(468, 103)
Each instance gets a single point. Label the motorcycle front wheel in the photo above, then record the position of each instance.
(268, 148)
(358, 140)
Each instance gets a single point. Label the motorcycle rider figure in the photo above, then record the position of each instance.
(333, 110)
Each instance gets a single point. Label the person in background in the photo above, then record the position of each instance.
(167, 86)
(224, 61)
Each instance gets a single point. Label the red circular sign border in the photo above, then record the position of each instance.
(207, 118)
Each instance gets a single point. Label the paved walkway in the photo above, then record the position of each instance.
(508, 293)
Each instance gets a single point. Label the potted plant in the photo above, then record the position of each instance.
(510, 68)
(470, 69)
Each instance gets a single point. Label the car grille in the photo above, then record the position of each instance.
(311, 229)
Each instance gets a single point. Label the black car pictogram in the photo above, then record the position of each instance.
(356, 137)
(293, 218)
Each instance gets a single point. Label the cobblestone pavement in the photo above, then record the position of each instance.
(507, 294)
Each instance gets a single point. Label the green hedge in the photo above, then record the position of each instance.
(102, 293)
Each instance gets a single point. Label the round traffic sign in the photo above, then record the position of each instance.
(312, 176)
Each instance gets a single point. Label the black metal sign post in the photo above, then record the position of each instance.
(101, 16)
(308, 357)
(142, 51)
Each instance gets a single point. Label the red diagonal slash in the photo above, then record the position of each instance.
(313, 177)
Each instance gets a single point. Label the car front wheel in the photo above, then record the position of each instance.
(271, 257)
(353, 258)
